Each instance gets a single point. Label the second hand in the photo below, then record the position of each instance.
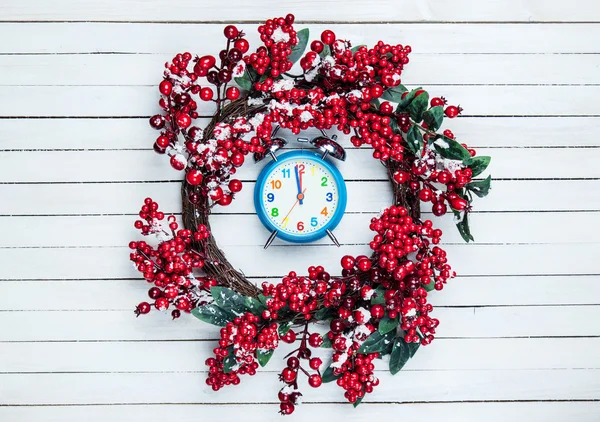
(298, 198)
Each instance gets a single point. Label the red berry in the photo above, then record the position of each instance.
(143, 308)
(317, 46)
(231, 32)
(162, 304)
(165, 87)
(328, 37)
(377, 311)
(178, 162)
(194, 177)
(184, 120)
(225, 200)
(347, 262)
(458, 203)
(242, 45)
(452, 111)
(315, 340)
(364, 264)
(401, 177)
(439, 209)
(235, 185)
(206, 94)
(386, 108)
(157, 121)
(206, 62)
(436, 101)
(315, 363)
(233, 93)
(376, 91)
(425, 194)
(286, 408)
(315, 380)
(288, 375)
(162, 142)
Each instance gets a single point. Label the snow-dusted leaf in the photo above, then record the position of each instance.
(299, 48)
(387, 324)
(263, 356)
(376, 342)
(213, 314)
(480, 187)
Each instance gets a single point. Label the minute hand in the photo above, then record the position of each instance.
(300, 193)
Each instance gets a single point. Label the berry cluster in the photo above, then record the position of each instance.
(169, 266)
(279, 38)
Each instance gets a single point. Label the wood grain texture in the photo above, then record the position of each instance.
(311, 10)
(517, 339)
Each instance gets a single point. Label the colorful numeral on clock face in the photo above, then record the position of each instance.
(300, 196)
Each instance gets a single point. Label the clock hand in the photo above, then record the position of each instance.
(300, 195)
(299, 185)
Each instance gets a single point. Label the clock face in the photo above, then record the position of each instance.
(301, 196)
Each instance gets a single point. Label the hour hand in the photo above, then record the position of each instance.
(300, 195)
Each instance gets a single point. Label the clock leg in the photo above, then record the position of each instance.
(271, 238)
(332, 237)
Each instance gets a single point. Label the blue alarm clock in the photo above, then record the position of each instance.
(299, 196)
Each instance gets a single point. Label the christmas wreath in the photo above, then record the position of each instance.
(378, 305)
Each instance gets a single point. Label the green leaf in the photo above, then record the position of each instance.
(449, 148)
(254, 305)
(263, 356)
(263, 299)
(418, 106)
(356, 48)
(243, 83)
(326, 52)
(230, 361)
(414, 139)
(479, 164)
(326, 343)
(480, 187)
(376, 103)
(376, 342)
(387, 324)
(429, 286)
(378, 298)
(213, 314)
(282, 329)
(232, 301)
(434, 117)
(328, 375)
(412, 348)
(400, 355)
(404, 102)
(357, 402)
(463, 225)
(323, 314)
(394, 94)
(299, 48)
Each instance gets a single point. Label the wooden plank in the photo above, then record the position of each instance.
(581, 411)
(127, 198)
(144, 69)
(128, 101)
(432, 386)
(444, 354)
(487, 322)
(132, 133)
(350, 10)
(497, 228)
(170, 38)
(146, 165)
(468, 260)
(88, 295)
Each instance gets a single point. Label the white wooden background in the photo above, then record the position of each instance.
(519, 337)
